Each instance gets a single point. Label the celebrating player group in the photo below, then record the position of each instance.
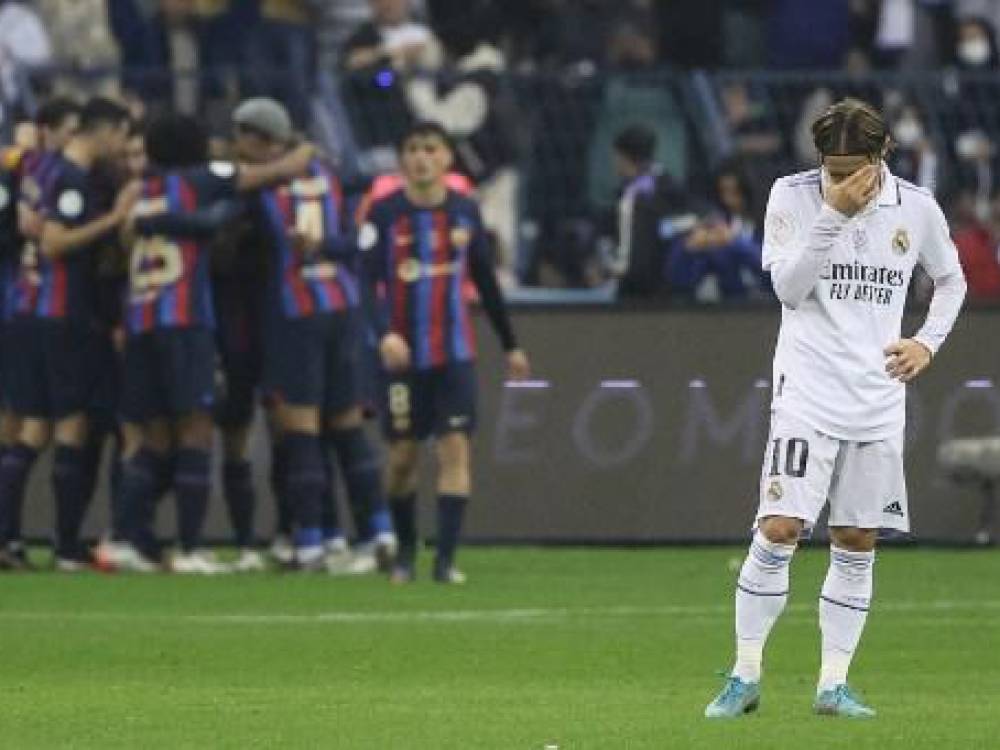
(155, 292)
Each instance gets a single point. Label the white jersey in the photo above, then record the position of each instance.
(843, 284)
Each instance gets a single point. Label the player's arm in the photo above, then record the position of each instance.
(372, 242)
(907, 358)
(481, 272)
(795, 254)
(60, 238)
(203, 222)
(256, 176)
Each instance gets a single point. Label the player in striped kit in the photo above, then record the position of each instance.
(56, 122)
(423, 243)
(312, 344)
(169, 380)
(53, 328)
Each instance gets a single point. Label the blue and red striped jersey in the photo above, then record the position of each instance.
(422, 256)
(54, 288)
(323, 278)
(169, 268)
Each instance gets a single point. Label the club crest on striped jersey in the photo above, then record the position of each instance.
(222, 169)
(461, 237)
(71, 203)
(367, 236)
(409, 270)
(901, 242)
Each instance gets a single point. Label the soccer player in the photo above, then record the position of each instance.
(170, 351)
(55, 123)
(424, 241)
(312, 342)
(51, 380)
(840, 243)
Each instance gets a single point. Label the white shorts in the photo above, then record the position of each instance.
(804, 468)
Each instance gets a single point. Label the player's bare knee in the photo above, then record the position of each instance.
(298, 419)
(71, 430)
(854, 539)
(401, 469)
(35, 433)
(781, 529)
(236, 442)
(196, 431)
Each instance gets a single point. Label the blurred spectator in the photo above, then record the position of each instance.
(23, 42)
(912, 33)
(720, 259)
(970, 108)
(975, 45)
(650, 200)
(279, 54)
(753, 131)
(913, 156)
(339, 19)
(985, 10)
(391, 40)
(635, 93)
(631, 45)
(172, 58)
(467, 96)
(556, 34)
(809, 34)
(374, 58)
(977, 242)
(744, 30)
(81, 34)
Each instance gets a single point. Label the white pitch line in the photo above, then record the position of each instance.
(537, 614)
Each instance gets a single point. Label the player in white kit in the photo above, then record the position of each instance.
(840, 243)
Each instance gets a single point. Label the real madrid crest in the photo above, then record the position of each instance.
(408, 270)
(860, 238)
(901, 242)
(774, 491)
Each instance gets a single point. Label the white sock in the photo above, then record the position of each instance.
(761, 593)
(843, 609)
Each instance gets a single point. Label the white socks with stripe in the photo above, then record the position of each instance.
(761, 593)
(843, 609)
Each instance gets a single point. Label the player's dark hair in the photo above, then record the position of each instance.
(636, 143)
(102, 111)
(425, 129)
(174, 141)
(136, 128)
(55, 111)
(850, 127)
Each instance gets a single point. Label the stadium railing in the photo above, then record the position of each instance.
(553, 131)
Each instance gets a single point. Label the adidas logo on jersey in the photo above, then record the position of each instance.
(894, 508)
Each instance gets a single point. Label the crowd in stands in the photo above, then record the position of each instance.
(536, 94)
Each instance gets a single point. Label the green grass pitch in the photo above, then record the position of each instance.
(563, 648)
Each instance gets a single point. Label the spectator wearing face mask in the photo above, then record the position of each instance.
(970, 96)
(914, 157)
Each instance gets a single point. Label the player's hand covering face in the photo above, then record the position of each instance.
(850, 182)
(906, 359)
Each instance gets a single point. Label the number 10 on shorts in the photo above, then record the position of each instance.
(796, 452)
